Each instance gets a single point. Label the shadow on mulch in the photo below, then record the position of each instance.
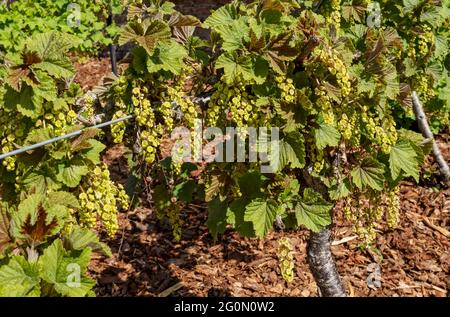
(146, 261)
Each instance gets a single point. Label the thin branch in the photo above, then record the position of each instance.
(344, 240)
(171, 289)
(426, 132)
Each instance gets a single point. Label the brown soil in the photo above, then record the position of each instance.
(90, 73)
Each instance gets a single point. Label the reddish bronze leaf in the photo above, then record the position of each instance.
(40, 229)
(23, 70)
(30, 58)
(281, 48)
(5, 238)
(274, 5)
(256, 43)
(405, 95)
(279, 51)
(15, 78)
(308, 25)
(372, 54)
(308, 47)
(81, 143)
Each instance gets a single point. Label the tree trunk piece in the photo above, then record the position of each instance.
(322, 265)
(426, 132)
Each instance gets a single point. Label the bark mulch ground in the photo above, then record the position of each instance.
(90, 73)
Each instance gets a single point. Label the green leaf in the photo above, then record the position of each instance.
(403, 157)
(37, 218)
(184, 190)
(340, 190)
(419, 151)
(410, 5)
(81, 238)
(292, 151)
(441, 46)
(10, 97)
(93, 153)
(38, 135)
(369, 173)
(272, 21)
(51, 45)
(72, 174)
(216, 182)
(40, 180)
(56, 215)
(19, 278)
(217, 217)
(66, 272)
(167, 7)
(58, 68)
(147, 34)
(161, 198)
(235, 217)
(46, 90)
(432, 16)
(140, 57)
(250, 185)
(260, 70)
(60, 104)
(435, 70)
(223, 16)
(63, 198)
(234, 34)
(421, 145)
(410, 67)
(233, 66)
(242, 67)
(392, 88)
(326, 135)
(28, 207)
(313, 211)
(27, 103)
(366, 85)
(168, 56)
(261, 212)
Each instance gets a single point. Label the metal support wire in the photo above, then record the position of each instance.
(62, 137)
(202, 100)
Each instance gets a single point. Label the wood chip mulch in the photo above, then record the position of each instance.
(90, 73)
